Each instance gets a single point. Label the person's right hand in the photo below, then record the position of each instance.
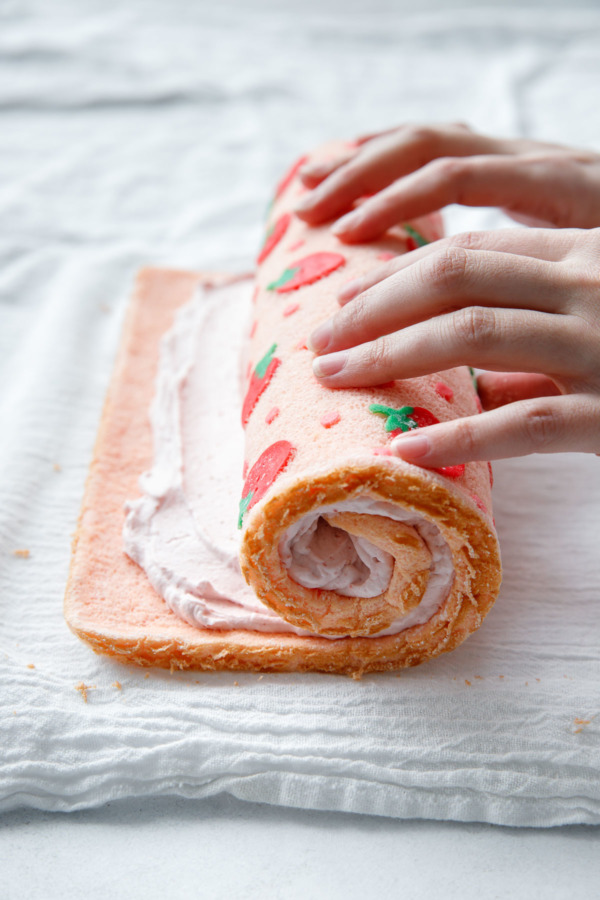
(522, 303)
(416, 169)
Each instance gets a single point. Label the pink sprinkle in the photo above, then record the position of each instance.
(272, 415)
(301, 345)
(253, 329)
(296, 246)
(478, 404)
(255, 294)
(330, 419)
(382, 451)
(385, 255)
(444, 391)
(245, 469)
(301, 190)
(479, 503)
(248, 370)
(491, 474)
(291, 309)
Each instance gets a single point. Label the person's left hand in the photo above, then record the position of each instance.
(518, 302)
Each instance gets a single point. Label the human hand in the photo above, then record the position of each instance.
(414, 169)
(522, 300)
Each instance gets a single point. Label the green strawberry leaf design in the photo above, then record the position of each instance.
(286, 276)
(244, 504)
(263, 364)
(395, 418)
(414, 234)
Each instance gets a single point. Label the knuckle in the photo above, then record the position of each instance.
(474, 326)
(449, 168)
(444, 271)
(377, 354)
(540, 426)
(352, 316)
(465, 437)
(584, 327)
(421, 134)
(468, 240)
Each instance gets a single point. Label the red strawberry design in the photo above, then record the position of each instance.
(289, 176)
(451, 471)
(306, 271)
(263, 473)
(407, 418)
(404, 419)
(273, 236)
(261, 376)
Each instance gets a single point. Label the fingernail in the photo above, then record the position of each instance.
(349, 291)
(320, 337)
(411, 446)
(324, 366)
(346, 223)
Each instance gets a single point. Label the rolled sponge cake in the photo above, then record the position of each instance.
(378, 563)
(339, 537)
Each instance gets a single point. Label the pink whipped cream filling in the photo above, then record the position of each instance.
(182, 530)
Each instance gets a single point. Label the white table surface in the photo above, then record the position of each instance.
(222, 847)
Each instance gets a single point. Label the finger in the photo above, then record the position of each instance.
(313, 173)
(543, 425)
(488, 338)
(365, 138)
(542, 243)
(457, 279)
(519, 185)
(383, 160)
(499, 388)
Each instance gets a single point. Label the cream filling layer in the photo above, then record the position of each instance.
(182, 530)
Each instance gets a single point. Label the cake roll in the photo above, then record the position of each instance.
(342, 540)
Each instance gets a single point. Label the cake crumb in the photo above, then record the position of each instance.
(30, 666)
(117, 685)
(356, 676)
(147, 675)
(24, 554)
(538, 679)
(236, 684)
(501, 677)
(83, 689)
(480, 677)
(582, 723)
(260, 677)
(467, 682)
(57, 467)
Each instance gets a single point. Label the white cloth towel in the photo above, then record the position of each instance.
(154, 133)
